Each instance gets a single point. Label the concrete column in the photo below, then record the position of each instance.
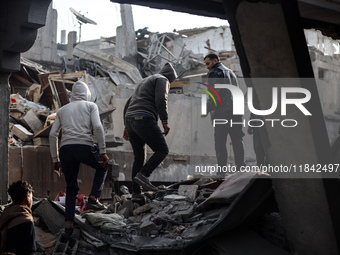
(270, 42)
(4, 129)
(126, 45)
(71, 42)
(63, 37)
(49, 37)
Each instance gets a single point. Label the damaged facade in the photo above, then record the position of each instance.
(166, 222)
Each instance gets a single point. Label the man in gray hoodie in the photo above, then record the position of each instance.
(77, 120)
(148, 102)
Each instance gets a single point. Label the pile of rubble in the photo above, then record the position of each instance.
(37, 93)
(181, 217)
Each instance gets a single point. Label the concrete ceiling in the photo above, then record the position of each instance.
(323, 15)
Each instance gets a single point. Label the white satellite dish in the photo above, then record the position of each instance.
(81, 20)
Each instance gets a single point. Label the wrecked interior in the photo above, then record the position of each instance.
(190, 213)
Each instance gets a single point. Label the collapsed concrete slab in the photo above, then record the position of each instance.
(162, 225)
(109, 64)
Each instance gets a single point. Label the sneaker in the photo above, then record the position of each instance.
(94, 204)
(144, 182)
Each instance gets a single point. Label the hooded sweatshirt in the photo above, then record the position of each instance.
(17, 230)
(151, 95)
(77, 120)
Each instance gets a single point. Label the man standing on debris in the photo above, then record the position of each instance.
(16, 222)
(148, 101)
(77, 120)
(219, 74)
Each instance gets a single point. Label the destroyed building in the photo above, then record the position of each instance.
(155, 226)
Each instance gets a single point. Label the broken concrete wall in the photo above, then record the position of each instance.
(45, 47)
(326, 70)
(325, 58)
(322, 43)
(34, 164)
(126, 36)
(218, 39)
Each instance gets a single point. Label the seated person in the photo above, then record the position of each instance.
(16, 222)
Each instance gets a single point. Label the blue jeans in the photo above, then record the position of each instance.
(70, 158)
(142, 131)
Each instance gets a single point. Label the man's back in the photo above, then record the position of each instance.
(22, 234)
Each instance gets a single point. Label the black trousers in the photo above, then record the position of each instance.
(144, 131)
(236, 134)
(70, 158)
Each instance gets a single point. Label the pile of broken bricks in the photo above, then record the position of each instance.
(175, 217)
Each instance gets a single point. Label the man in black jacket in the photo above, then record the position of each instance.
(148, 102)
(219, 74)
(16, 223)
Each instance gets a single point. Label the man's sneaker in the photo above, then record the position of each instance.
(144, 182)
(94, 204)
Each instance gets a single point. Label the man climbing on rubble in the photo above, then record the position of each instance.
(77, 120)
(16, 222)
(148, 102)
(219, 74)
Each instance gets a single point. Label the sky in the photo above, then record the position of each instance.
(107, 16)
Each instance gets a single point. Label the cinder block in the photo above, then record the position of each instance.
(188, 190)
(17, 107)
(41, 141)
(22, 133)
(33, 121)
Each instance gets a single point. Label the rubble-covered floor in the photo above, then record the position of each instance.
(236, 215)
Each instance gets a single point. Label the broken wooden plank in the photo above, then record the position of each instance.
(23, 80)
(44, 132)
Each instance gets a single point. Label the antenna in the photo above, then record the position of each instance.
(81, 20)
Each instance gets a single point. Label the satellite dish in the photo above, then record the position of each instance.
(81, 20)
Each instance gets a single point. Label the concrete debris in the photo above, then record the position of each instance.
(163, 224)
(147, 227)
(175, 198)
(183, 216)
(65, 246)
(188, 190)
(228, 190)
(51, 218)
(142, 209)
(33, 121)
(22, 133)
(118, 70)
(33, 107)
(44, 241)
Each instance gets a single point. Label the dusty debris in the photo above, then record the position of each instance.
(65, 246)
(45, 92)
(161, 224)
(107, 65)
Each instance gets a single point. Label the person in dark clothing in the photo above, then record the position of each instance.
(258, 147)
(16, 222)
(219, 74)
(148, 102)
